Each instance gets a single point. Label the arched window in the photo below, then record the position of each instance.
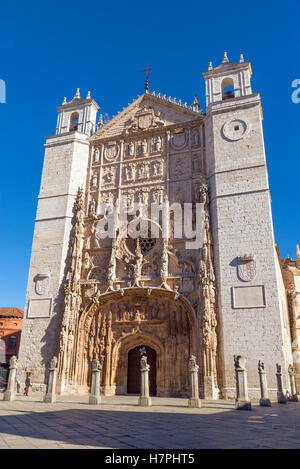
(74, 121)
(227, 88)
(12, 341)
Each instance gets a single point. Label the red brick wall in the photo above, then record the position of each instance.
(10, 326)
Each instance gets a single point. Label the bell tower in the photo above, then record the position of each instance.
(77, 115)
(252, 318)
(64, 172)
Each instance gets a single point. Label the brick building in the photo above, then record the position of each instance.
(11, 320)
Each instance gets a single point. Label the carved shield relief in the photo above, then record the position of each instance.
(42, 284)
(145, 121)
(246, 268)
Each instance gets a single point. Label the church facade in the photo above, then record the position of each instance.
(116, 298)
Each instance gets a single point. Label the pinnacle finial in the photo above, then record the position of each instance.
(65, 100)
(241, 58)
(100, 121)
(225, 58)
(88, 95)
(77, 94)
(210, 67)
(195, 105)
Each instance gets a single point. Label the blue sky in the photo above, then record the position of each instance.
(48, 49)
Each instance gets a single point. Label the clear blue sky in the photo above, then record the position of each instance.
(48, 49)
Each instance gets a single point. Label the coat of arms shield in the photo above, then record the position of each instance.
(42, 283)
(246, 268)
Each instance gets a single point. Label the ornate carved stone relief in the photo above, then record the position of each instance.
(246, 267)
(42, 283)
(109, 175)
(111, 151)
(145, 119)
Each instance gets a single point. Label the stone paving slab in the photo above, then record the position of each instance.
(119, 423)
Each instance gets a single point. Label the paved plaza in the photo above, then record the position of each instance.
(119, 423)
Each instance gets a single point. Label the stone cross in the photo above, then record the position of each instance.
(294, 396)
(10, 392)
(50, 396)
(194, 400)
(95, 397)
(145, 399)
(280, 396)
(242, 401)
(264, 400)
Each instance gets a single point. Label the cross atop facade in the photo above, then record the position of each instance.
(147, 70)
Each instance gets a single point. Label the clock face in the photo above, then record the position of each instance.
(235, 129)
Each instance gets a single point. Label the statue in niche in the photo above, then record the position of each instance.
(93, 242)
(156, 144)
(144, 147)
(96, 155)
(130, 149)
(92, 208)
(195, 138)
(94, 180)
(157, 168)
(137, 270)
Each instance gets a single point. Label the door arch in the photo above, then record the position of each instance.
(133, 369)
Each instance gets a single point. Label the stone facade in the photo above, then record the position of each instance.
(90, 297)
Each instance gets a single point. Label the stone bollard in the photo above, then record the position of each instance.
(242, 401)
(50, 396)
(280, 396)
(145, 399)
(264, 400)
(95, 397)
(10, 392)
(294, 396)
(194, 401)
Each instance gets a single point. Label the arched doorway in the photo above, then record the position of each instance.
(133, 370)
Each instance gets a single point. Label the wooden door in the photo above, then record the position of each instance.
(134, 373)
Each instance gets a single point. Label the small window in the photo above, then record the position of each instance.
(12, 341)
(236, 127)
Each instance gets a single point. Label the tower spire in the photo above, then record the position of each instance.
(195, 105)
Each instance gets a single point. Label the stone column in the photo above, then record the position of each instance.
(145, 399)
(10, 392)
(264, 400)
(242, 401)
(51, 388)
(95, 397)
(280, 396)
(194, 400)
(294, 396)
